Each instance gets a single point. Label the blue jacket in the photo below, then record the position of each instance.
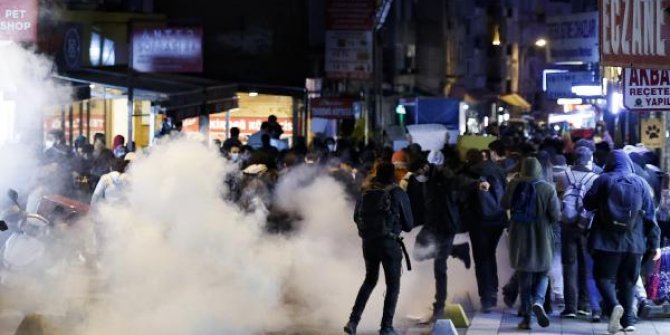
(645, 234)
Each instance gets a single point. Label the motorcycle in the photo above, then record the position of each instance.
(42, 261)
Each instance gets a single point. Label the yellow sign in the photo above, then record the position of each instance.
(652, 133)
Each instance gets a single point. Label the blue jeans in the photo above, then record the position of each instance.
(533, 288)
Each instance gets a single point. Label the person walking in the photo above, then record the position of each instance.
(624, 228)
(572, 185)
(382, 212)
(535, 210)
(488, 226)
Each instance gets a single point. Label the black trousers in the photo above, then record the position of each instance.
(386, 252)
(575, 270)
(616, 274)
(444, 244)
(484, 245)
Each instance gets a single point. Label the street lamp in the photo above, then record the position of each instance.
(541, 43)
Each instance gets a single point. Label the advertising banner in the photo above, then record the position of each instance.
(646, 89)
(559, 85)
(332, 108)
(574, 38)
(635, 33)
(18, 20)
(349, 38)
(173, 49)
(652, 132)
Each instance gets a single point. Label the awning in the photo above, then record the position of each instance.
(515, 100)
(178, 96)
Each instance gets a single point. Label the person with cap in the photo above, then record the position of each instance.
(381, 214)
(592, 147)
(571, 185)
(400, 161)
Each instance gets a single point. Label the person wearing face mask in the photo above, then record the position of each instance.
(234, 154)
(330, 145)
(55, 149)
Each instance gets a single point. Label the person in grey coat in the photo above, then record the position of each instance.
(532, 244)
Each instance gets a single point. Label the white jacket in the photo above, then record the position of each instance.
(110, 187)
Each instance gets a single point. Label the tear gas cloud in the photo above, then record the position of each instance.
(27, 91)
(176, 258)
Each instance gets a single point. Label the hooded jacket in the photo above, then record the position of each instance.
(645, 234)
(532, 245)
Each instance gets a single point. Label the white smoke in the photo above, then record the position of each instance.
(27, 92)
(176, 258)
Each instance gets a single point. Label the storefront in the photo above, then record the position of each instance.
(253, 109)
(154, 97)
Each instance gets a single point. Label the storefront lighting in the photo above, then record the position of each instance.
(253, 94)
(569, 101)
(616, 102)
(486, 121)
(544, 76)
(506, 117)
(587, 90)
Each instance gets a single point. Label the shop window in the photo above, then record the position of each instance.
(102, 51)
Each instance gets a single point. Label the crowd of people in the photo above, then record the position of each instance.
(580, 229)
(582, 218)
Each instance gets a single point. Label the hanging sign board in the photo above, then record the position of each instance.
(652, 133)
(635, 33)
(646, 89)
(18, 20)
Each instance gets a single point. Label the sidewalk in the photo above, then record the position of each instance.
(505, 322)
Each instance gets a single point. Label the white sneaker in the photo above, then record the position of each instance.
(615, 320)
(629, 329)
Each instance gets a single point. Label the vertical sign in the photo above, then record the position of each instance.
(635, 33)
(18, 20)
(349, 38)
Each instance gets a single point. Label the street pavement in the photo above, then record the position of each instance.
(505, 322)
(499, 322)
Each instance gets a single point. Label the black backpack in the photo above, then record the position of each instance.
(375, 217)
(624, 202)
(490, 202)
(524, 203)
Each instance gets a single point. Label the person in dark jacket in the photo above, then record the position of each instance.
(444, 192)
(532, 246)
(617, 254)
(485, 235)
(385, 250)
